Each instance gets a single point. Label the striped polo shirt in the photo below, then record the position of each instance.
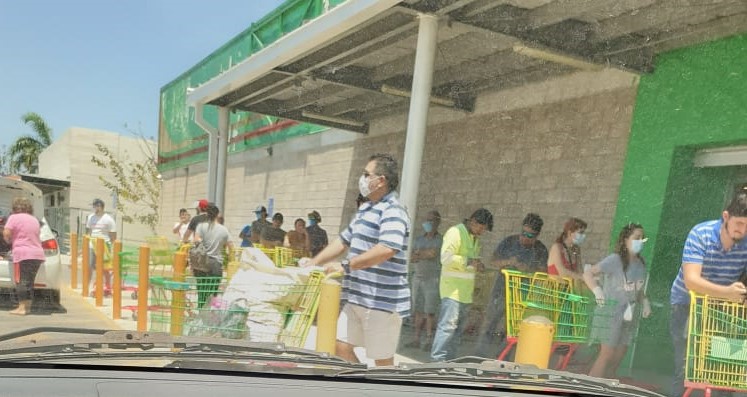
(703, 246)
(384, 286)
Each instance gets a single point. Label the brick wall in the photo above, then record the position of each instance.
(305, 174)
(558, 159)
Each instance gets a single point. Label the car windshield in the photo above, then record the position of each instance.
(507, 193)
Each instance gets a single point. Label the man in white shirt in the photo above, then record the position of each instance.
(100, 225)
(180, 228)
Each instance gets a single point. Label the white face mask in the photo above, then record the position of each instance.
(364, 185)
(579, 238)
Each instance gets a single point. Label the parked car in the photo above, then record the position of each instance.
(48, 278)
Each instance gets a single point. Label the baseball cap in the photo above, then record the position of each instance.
(200, 204)
(315, 216)
(98, 202)
(260, 209)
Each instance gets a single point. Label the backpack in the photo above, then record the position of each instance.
(198, 257)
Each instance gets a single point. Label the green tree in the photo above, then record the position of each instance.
(137, 185)
(4, 161)
(24, 152)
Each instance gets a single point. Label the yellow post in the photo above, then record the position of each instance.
(100, 272)
(73, 260)
(535, 341)
(178, 295)
(117, 287)
(326, 317)
(142, 289)
(86, 267)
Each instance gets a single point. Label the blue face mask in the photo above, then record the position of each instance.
(637, 245)
(312, 222)
(259, 215)
(428, 227)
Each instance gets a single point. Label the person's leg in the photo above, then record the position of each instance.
(381, 332)
(25, 286)
(678, 332)
(201, 281)
(488, 340)
(447, 328)
(614, 364)
(599, 368)
(92, 266)
(349, 333)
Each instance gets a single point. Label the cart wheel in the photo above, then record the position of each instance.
(134, 295)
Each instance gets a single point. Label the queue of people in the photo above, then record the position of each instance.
(377, 294)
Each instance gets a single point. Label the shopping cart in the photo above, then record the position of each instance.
(552, 297)
(160, 267)
(716, 345)
(286, 315)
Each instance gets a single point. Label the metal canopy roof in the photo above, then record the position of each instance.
(366, 72)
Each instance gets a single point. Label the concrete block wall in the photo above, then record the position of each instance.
(304, 174)
(555, 148)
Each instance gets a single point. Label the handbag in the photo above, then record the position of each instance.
(198, 257)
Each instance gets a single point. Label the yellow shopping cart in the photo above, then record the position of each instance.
(716, 345)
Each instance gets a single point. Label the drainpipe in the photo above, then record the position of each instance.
(212, 150)
(222, 160)
(417, 119)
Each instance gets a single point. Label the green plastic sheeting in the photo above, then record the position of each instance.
(181, 141)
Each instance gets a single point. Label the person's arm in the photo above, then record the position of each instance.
(556, 258)
(198, 233)
(7, 234)
(329, 253)
(176, 228)
(693, 255)
(694, 281)
(378, 254)
(449, 257)
(589, 277)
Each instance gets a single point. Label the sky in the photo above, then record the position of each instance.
(101, 63)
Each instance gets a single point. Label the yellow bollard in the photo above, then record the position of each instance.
(535, 341)
(142, 288)
(73, 260)
(326, 317)
(117, 287)
(86, 267)
(99, 272)
(178, 295)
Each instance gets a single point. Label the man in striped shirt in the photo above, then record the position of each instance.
(375, 292)
(714, 258)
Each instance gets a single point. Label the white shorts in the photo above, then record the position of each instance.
(376, 331)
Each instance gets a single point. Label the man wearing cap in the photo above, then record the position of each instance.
(261, 222)
(317, 235)
(273, 235)
(523, 252)
(201, 217)
(99, 224)
(460, 261)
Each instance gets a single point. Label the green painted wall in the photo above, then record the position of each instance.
(696, 98)
(179, 134)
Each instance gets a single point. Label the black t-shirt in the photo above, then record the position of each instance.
(196, 220)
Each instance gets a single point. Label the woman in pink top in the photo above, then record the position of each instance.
(22, 232)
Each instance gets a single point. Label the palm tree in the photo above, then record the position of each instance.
(24, 152)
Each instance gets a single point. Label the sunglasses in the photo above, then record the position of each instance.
(528, 234)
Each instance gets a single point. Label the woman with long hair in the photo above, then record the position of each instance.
(216, 239)
(22, 232)
(564, 258)
(623, 276)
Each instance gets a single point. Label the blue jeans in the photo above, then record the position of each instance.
(451, 323)
(678, 332)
